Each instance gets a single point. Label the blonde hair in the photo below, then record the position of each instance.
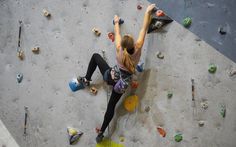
(127, 44)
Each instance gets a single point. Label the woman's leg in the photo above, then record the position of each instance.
(95, 61)
(115, 97)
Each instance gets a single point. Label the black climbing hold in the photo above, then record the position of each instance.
(121, 21)
(157, 22)
(222, 30)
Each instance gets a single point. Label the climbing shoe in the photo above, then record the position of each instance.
(99, 137)
(83, 81)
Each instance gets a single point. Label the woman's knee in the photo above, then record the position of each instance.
(95, 55)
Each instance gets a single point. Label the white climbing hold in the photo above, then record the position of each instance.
(204, 105)
(201, 123)
(35, 50)
(46, 13)
(160, 55)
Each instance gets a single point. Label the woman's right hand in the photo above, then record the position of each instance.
(150, 8)
(116, 19)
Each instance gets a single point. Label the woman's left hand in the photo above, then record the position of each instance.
(116, 19)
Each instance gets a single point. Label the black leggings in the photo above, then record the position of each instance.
(95, 61)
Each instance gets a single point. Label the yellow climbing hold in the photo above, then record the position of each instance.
(109, 143)
(122, 139)
(71, 131)
(131, 103)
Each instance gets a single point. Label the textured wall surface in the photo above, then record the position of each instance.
(6, 138)
(67, 43)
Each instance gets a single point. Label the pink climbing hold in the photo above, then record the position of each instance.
(111, 36)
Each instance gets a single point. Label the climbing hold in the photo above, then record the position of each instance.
(131, 103)
(139, 67)
(75, 85)
(97, 129)
(134, 84)
(204, 105)
(160, 55)
(187, 22)
(232, 73)
(93, 90)
(19, 77)
(108, 143)
(35, 50)
(46, 13)
(71, 131)
(223, 110)
(147, 108)
(139, 7)
(178, 137)
(197, 39)
(121, 21)
(154, 10)
(111, 36)
(169, 94)
(160, 13)
(161, 131)
(212, 68)
(20, 54)
(96, 32)
(73, 135)
(158, 21)
(122, 139)
(222, 30)
(201, 123)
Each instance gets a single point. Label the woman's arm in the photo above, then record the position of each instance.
(143, 31)
(117, 33)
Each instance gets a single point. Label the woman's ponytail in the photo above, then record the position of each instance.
(127, 61)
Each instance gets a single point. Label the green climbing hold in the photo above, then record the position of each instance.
(178, 137)
(169, 94)
(222, 110)
(212, 68)
(187, 22)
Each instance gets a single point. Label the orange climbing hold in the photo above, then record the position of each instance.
(131, 103)
(160, 13)
(161, 131)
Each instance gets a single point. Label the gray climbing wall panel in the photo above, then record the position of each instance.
(207, 16)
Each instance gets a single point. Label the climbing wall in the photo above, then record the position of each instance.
(66, 44)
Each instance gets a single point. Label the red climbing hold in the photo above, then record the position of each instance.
(111, 36)
(97, 129)
(160, 13)
(134, 84)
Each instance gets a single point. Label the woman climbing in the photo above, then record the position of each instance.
(128, 54)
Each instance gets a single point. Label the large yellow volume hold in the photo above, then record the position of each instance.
(131, 103)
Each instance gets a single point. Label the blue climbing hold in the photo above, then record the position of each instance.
(75, 85)
(139, 67)
(19, 77)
